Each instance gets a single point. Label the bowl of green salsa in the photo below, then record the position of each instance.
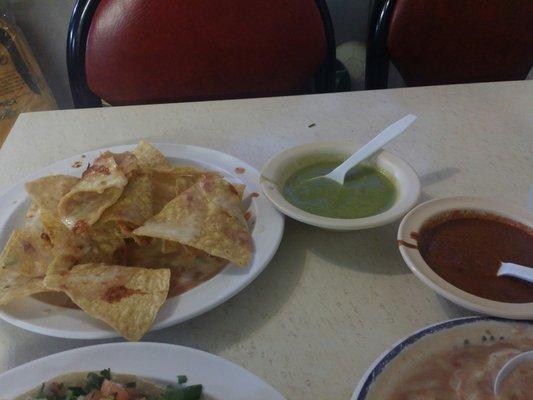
(376, 192)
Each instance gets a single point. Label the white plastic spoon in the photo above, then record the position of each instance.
(387, 135)
(509, 367)
(516, 271)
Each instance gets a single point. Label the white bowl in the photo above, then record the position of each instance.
(424, 212)
(155, 362)
(389, 369)
(284, 164)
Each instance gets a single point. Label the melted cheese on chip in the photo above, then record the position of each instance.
(206, 216)
(150, 157)
(100, 187)
(14, 285)
(46, 192)
(134, 206)
(27, 252)
(126, 298)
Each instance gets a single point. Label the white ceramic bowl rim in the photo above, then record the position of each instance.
(406, 181)
(156, 362)
(391, 353)
(427, 211)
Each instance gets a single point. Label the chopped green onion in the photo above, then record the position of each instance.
(40, 393)
(193, 392)
(182, 392)
(77, 391)
(106, 373)
(94, 382)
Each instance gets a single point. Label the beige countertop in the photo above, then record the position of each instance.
(328, 303)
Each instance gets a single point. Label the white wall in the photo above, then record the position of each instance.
(45, 22)
(350, 19)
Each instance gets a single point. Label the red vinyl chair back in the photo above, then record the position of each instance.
(151, 51)
(449, 41)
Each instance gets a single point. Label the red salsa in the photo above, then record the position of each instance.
(466, 249)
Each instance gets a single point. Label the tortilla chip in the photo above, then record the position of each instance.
(126, 298)
(97, 244)
(15, 285)
(33, 216)
(27, 251)
(240, 188)
(186, 277)
(168, 183)
(103, 244)
(224, 195)
(133, 207)
(100, 187)
(206, 216)
(32, 220)
(68, 248)
(189, 267)
(168, 247)
(165, 254)
(150, 157)
(127, 163)
(147, 256)
(47, 191)
(186, 177)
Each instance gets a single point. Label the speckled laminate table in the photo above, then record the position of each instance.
(328, 303)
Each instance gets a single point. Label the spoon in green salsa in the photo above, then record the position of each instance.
(385, 136)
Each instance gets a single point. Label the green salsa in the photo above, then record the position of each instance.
(366, 191)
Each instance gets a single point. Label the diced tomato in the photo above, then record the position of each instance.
(116, 390)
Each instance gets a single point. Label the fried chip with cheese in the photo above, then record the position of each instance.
(207, 216)
(14, 285)
(133, 207)
(28, 252)
(166, 254)
(100, 187)
(32, 219)
(170, 182)
(127, 163)
(189, 267)
(46, 192)
(240, 188)
(103, 245)
(149, 157)
(28, 249)
(132, 231)
(97, 244)
(126, 298)
(168, 246)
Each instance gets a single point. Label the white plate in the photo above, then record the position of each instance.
(424, 212)
(266, 226)
(160, 363)
(422, 344)
(282, 165)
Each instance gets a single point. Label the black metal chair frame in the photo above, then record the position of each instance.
(78, 31)
(377, 56)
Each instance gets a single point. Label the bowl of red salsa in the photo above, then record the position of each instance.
(456, 245)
